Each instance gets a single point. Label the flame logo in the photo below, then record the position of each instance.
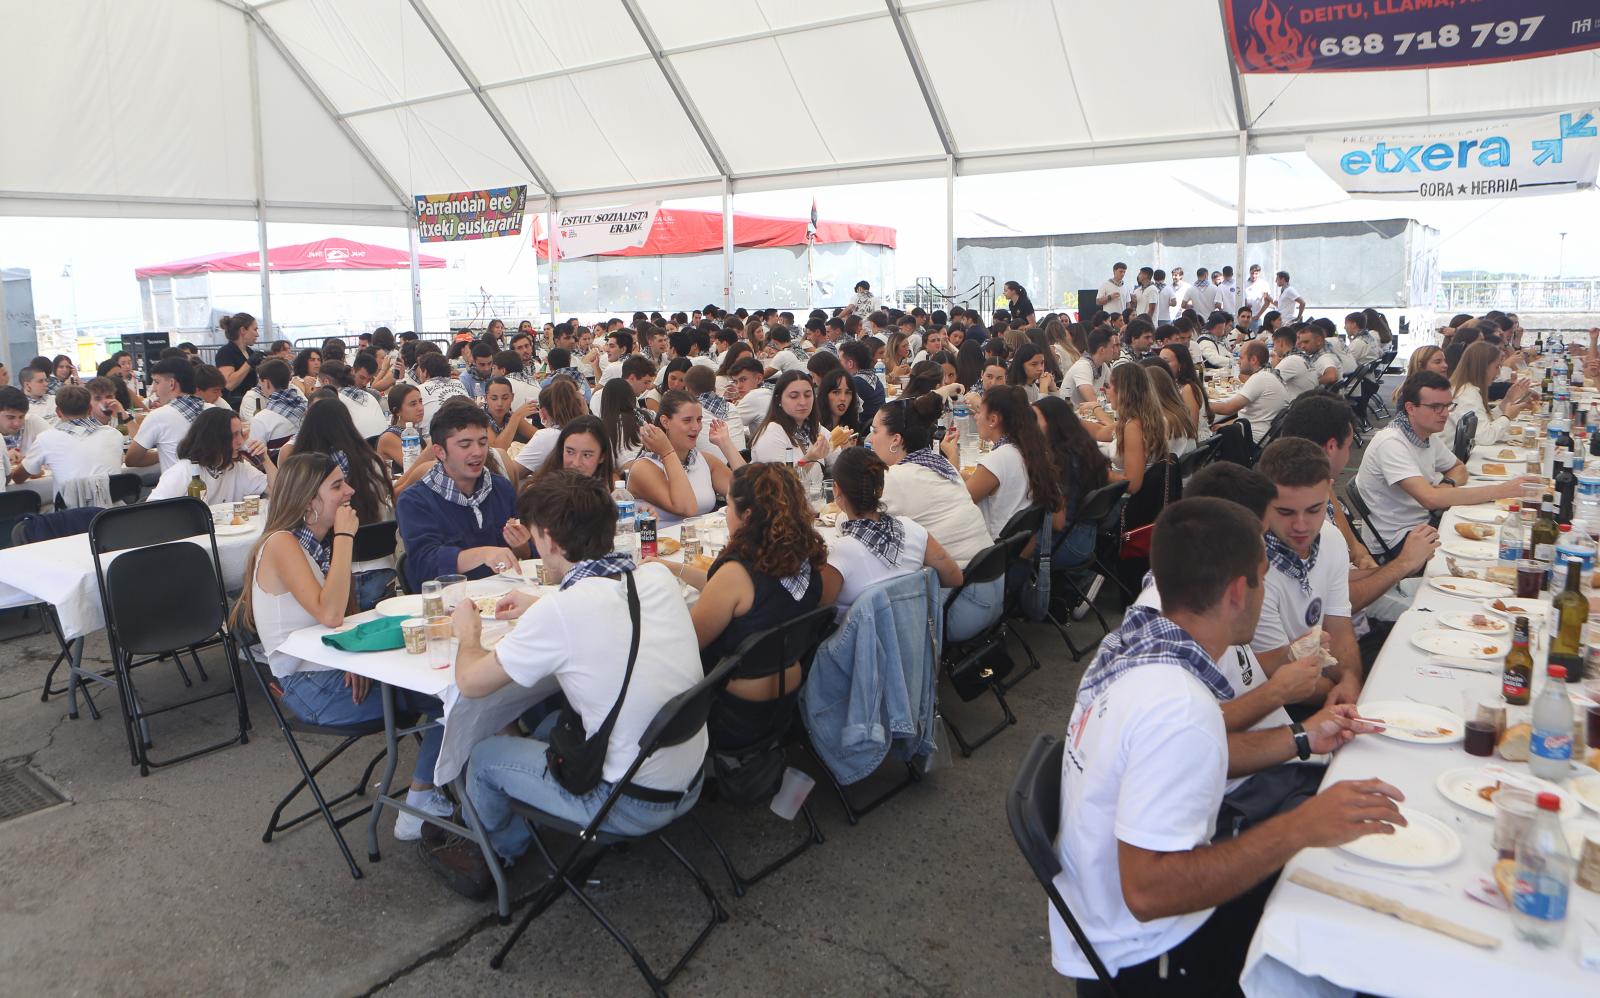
(1275, 45)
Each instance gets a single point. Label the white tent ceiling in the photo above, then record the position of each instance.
(341, 109)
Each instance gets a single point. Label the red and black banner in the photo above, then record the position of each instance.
(1318, 36)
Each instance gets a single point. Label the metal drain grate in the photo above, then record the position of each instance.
(23, 791)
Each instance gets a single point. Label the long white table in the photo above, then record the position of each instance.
(1310, 944)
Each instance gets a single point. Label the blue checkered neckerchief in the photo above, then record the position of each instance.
(798, 349)
(1002, 442)
(1402, 422)
(569, 372)
(885, 537)
(288, 403)
(714, 405)
(1148, 638)
(829, 346)
(797, 584)
(190, 406)
(802, 436)
(497, 424)
(440, 483)
(320, 553)
(52, 384)
(607, 566)
(1331, 518)
(360, 395)
(1282, 557)
(934, 461)
(524, 376)
(343, 461)
(83, 426)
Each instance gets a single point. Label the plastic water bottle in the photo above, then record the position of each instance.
(1586, 500)
(881, 372)
(1511, 538)
(626, 538)
(1573, 544)
(410, 446)
(1550, 748)
(1544, 876)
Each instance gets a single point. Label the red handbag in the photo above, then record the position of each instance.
(1136, 542)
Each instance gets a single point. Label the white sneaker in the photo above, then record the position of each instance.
(408, 827)
(1082, 609)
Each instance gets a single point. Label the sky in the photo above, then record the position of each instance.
(1520, 235)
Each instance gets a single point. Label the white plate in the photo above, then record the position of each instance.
(1492, 623)
(1408, 714)
(1486, 514)
(1460, 547)
(1458, 644)
(1423, 842)
(1587, 790)
(1461, 786)
(1491, 452)
(400, 606)
(1535, 610)
(234, 529)
(1468, 588)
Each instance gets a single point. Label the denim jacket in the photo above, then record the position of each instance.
(871, 686)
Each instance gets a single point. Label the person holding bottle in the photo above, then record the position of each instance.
(228, 464)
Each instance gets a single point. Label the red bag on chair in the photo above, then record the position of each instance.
(1136, 542)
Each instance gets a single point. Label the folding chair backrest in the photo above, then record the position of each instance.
(183, 610)
(769, 652)
(1098, 505)
(1024, 521)
(682, 717)
(13, 507)
(1359, 504)
(1033, 808)
(374, 541)
(125, 487)
(1466, 431)
(124, 527)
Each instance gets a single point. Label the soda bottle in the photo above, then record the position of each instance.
(410, 446)
(1516, 679)
(1544, 877)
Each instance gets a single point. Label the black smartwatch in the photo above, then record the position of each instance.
(1302, 741)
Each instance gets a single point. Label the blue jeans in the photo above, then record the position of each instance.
(504, 768)
(371, 586)
(976, 608)
(320, 697)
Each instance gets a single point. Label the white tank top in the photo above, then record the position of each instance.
(278, 616)
(705, 494)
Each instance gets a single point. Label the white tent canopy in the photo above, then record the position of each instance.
(341, 109)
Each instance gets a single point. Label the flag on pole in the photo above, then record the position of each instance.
(811, 225)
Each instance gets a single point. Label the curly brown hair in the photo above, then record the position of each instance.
(778, 534)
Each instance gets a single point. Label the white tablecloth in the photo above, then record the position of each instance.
(45, 485)
(1312, 944)
(61, 572)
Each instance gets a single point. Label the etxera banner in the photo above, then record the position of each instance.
(1316, 36)
(1546, 154)
(485, 214)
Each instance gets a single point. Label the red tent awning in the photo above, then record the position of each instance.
(682, 230)
(324, 254)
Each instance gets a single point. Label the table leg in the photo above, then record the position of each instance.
(479, 835)
(392, 743)
(74, 664)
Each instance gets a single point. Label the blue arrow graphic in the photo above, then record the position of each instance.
(1549, 150)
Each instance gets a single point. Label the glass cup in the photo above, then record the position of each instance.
(432, 598)
(441, 642)
(454, 588)
(548, 576)
(1480, 738)
(1514, 811)
(1588, 873)
(1530, 578)
(689, 538)
(827, 490)
(1591, 733)
(415, 631)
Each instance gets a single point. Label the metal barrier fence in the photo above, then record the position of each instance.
(1581, 294)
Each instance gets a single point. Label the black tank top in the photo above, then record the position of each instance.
(772, 606)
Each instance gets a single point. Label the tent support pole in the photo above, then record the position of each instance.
(5, 325)
(552, 220)
(261, 185)
(413, 243)
(727, 244)
(950, 224)
(1240, 275)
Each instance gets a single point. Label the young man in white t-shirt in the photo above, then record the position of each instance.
(160, 432)
(1312, 343)
(1308, 579)
(1147, 758)
(1262, 395)
(1407, 472)
(1288, 299)
(1086, 378)
(578, 637)
(77, 447)
(36, 386)
(1112, 296)
(1293, 369)
(1145, 294)
(282, 406)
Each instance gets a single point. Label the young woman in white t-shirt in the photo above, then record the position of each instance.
(791, 433)
(405, 407)
(1183, 430)
(1018, 471)
(874, 546)
(620, 414)
(227, 461)
(674, 477)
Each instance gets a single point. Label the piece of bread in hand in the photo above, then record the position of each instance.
(1475, 531)
(1310, 643)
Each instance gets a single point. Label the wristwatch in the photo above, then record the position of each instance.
(1302, 741)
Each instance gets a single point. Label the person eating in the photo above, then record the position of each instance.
(673, 475)
(216, 450)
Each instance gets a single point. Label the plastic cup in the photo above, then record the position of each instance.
(415, 631)
(441, 642)
(454, 588)
(1588, 874)
(1530, 578)
(1480, 738)
(432, 598)
(791, 793)
(1514, 811)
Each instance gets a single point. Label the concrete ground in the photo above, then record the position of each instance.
(162, 885)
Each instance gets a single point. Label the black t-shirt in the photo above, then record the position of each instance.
(231, 356)
(1021, 308)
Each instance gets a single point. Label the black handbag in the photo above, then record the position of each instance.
(577, 760)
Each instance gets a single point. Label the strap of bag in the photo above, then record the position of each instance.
(604, 732)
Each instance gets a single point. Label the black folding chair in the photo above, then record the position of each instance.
(374, 541)
(126, 486)
(771, 653)
(14, 505)
(1023, 528)
(679, 720)
(979, 664)
(1033, 807)
(1099, 508)
(1234, 442)
(1466, 432)
(290, 724)
(1359, 504)
(1273, 430)
(1198, 458)
(187, 611)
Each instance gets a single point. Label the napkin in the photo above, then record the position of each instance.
(382, 634)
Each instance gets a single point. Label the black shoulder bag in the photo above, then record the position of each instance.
(576, 761)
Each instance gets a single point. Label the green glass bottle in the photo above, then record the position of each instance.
(1572, 612)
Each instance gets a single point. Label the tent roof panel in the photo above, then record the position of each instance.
(514, 39)
(679, 23)
(449, 144)
(728, 110)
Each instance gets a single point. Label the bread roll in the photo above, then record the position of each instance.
(1491, 468)
(1514, 743)
(1505, 877)
(1475, 531)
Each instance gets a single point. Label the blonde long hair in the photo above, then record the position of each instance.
(294, 488)
(1181, 424)
(1136, 399)
(1419, 360)
(1476, 367)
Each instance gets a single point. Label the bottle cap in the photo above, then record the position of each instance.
(1566, 528)
(1513, 508)
(1549, 802)
(1558, 672)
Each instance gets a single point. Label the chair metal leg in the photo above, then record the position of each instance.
(1033, 660)
(741, 882)
(198, 668)
(967, 748)
(854, 812)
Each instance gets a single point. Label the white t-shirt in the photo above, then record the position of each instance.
(1341, 353)
(538, 447)
(941, 506)
(1081, 375)
(239, 480)
(699, 471)
(162, 431)
(1256, 295)
(1265, 396)
(1298, 377)
(366, 412)
(774, 446)
(581, 636)
(1204, 297)
(1225, 297)
(752, 409)
(1144, 298)
(1013, 493)
(1145, 763)
(785, 360)
(1288, 611)
(44, 408)
(1389, 460)
(1117, 304)
(609, 370)
(1164, 302)
(1287, 298)
(72, 457)
(267, 426)
(436, 392)
(860, 569)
